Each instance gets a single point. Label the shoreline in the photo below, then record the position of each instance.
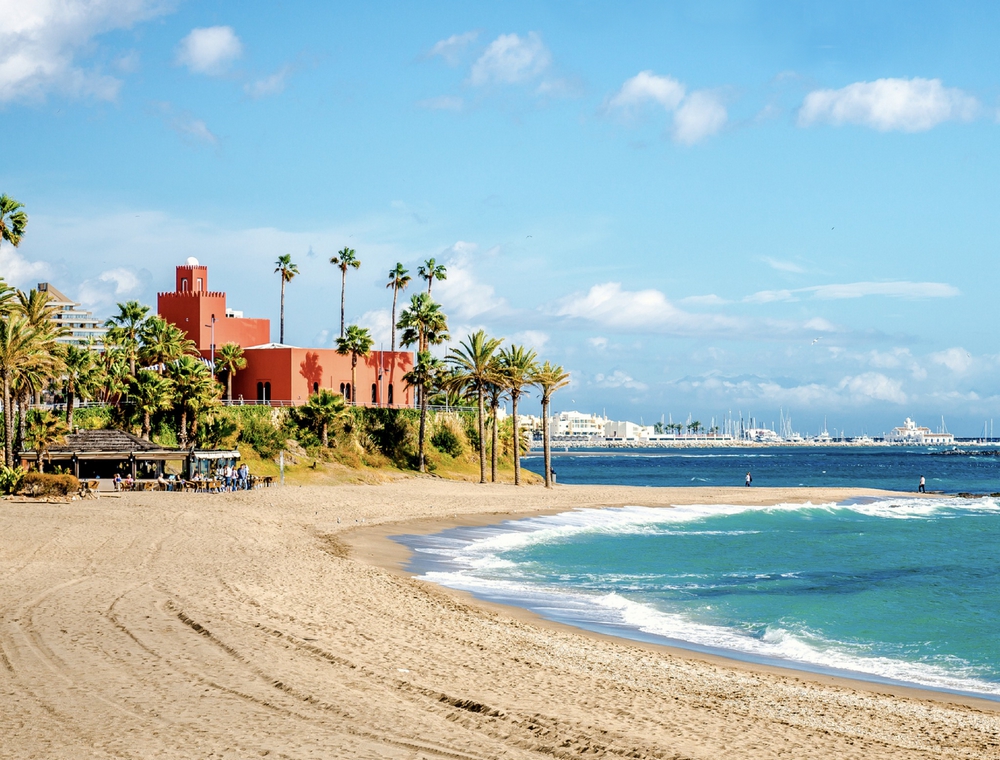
(378, 546)
(280, 622)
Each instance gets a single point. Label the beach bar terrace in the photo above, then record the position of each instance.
(102, 454)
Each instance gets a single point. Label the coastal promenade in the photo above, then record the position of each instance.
(280, 623)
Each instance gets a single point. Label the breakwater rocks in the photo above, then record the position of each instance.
(967, 453)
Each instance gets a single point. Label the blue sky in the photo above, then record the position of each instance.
(693, 207)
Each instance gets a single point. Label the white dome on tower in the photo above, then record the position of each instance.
(191, 261)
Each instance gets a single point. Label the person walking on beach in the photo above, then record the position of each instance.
(749, 479)
(923, 483)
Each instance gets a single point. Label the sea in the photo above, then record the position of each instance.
(894, 590)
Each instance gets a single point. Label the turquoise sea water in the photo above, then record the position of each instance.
(898, 590)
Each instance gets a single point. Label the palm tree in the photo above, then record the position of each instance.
(494, 391)
(162, 342)
(323, 409)
(123, 330)
(229, 359)
(517, 366)
(150, 392)
(44, 429)
(422, 376)
(13, 220)
(194, 390)
(17, 346)
(287, 270)
(430, 271)
(549, 379)
(78, 364)
(423, 323)
(357, 342)
(472, 361)
(399, 278)
(345, 258)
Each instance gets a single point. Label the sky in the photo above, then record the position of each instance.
(698, 209)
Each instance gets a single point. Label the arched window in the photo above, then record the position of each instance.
(184, 284)
(374, 393)
(348, 388)
(342, 386)
(199, 283)
(389, 396)
(260, 391)
(315, 387)
(267, 391)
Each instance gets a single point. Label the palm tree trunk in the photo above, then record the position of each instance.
(281, 332)
(545, 441)
(22, 420)
(8, 421)
(343, 287)
(517, 440)
(70, 399)
(38, 459)
(182, 434)
(354, 379)
(494, 454)
(395, 292)
(482, 437)
(229, 385)
(146, 424)
(423, 427)
(324, 435)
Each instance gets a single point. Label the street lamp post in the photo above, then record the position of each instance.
(213, 344)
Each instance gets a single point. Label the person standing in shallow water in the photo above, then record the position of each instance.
(749, 480)
(922, 487)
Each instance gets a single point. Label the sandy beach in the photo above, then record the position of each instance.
(279, 623)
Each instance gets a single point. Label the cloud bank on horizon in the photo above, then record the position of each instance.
(687, 218)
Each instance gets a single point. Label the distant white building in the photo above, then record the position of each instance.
(626, 431)
(82, 326)
(910, 433)
(577, 425)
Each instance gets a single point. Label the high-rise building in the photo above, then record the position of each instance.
(82, 327)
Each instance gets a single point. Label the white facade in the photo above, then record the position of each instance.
(908, 432)
(576, 425)
(83, 327)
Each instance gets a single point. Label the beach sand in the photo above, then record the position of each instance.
(258, 625)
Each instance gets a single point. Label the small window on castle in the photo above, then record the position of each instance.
(374, 393)
(184, 284)
(315, 387)
(342, 390)
(389, 396)
(199, 283)
(348, 389)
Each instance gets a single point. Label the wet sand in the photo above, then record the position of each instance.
(280, 623)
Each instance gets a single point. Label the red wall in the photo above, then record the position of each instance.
(293, 371)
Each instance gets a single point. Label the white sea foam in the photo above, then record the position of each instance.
(468, 564)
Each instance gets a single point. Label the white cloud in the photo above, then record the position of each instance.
(618, 379)
(956, 359)
(647, 86)
(40, 42)
(598, 342)
(697, 115)
(899, 289)
(783, 266)
(109, 287)
(707, 300)
(533, 339)
(907, 105)
(510, 59)
(16, 270)
(701, 114)
(379, 324)
(450, 49)
(269, 85)
(191, 129)
(611, 306)
(461, 293)
(209, 50)
(443, 103)
(873, 386)
(820, 325)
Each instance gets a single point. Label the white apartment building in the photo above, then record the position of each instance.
(908, 432)
(576, 425)
(626, 431)
(83, 327)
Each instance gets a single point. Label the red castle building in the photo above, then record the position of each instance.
(275, 373)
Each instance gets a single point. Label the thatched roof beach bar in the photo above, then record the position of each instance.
(101, 454)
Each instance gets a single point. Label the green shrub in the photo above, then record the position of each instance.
(261, 435)
(446, 441)
(10, 478)
(43, 484)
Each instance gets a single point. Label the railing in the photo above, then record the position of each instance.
(61, 406)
